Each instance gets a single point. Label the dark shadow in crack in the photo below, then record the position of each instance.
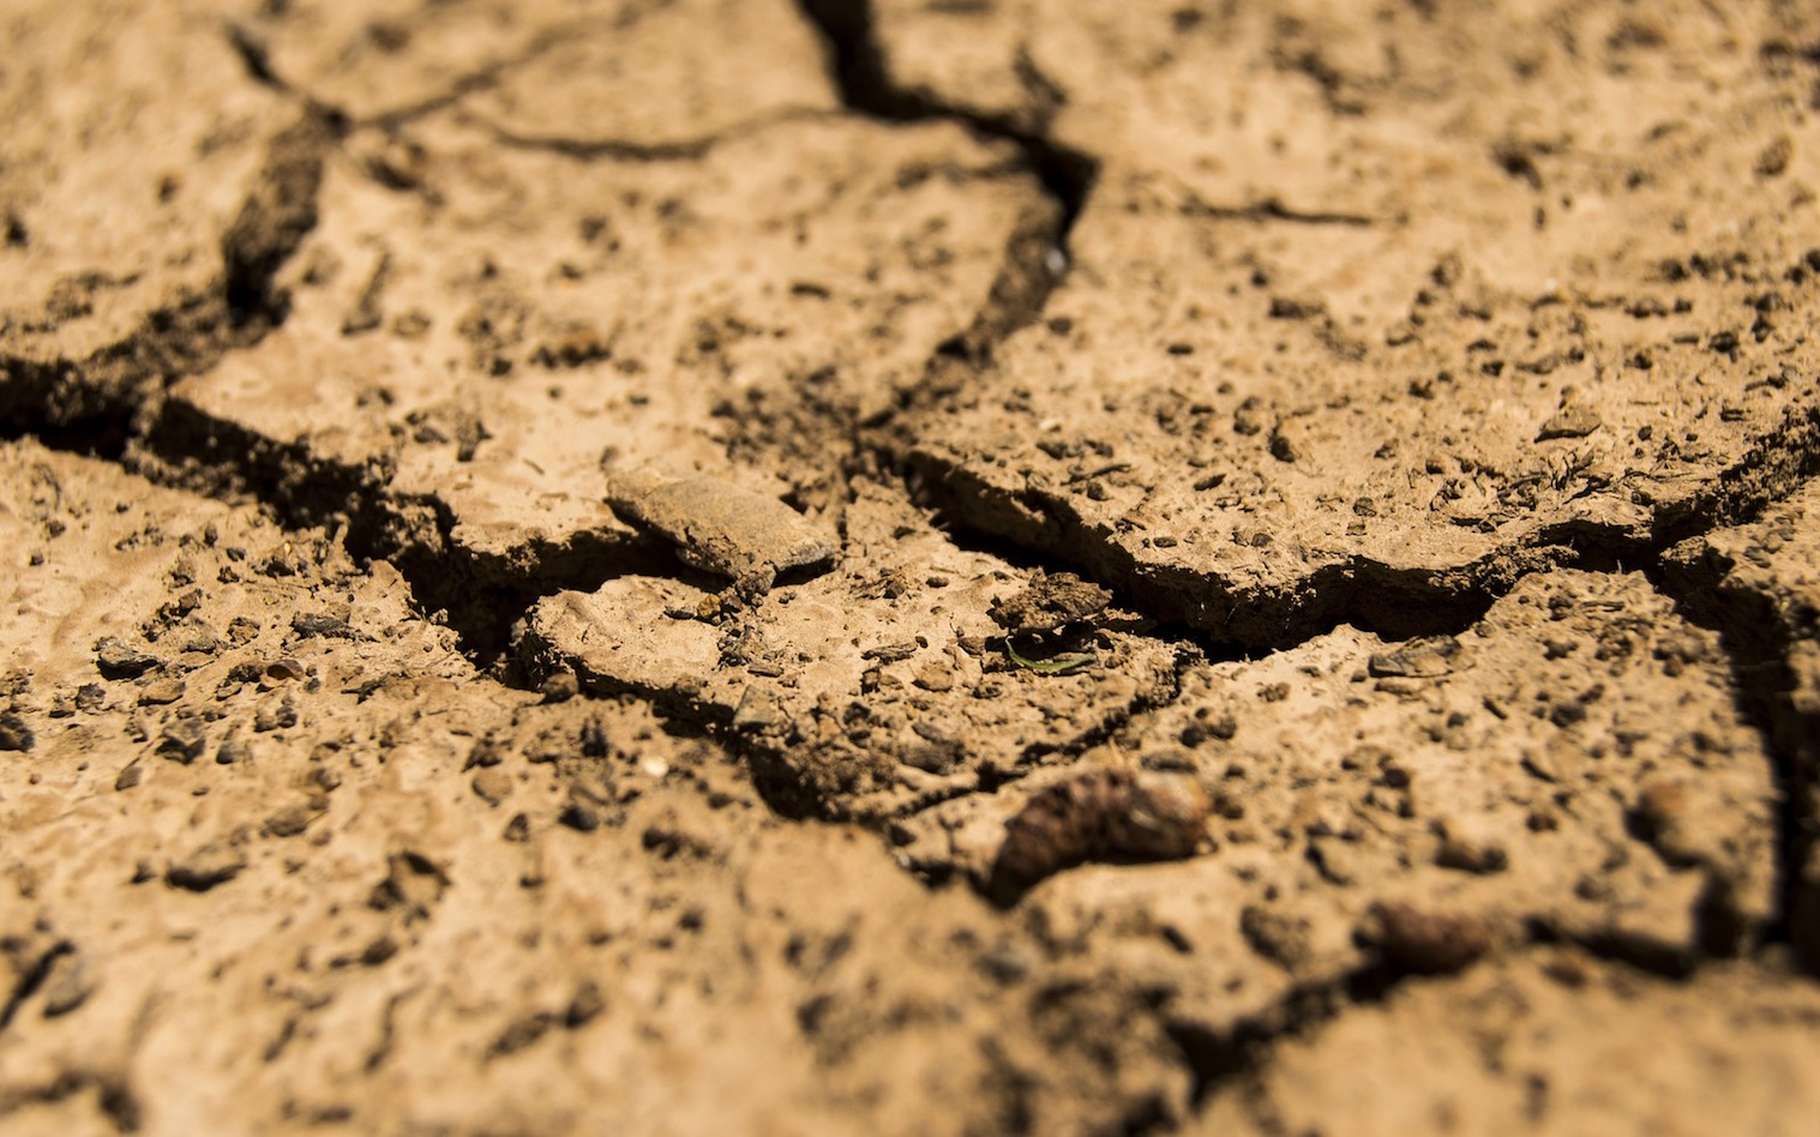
(480, 598)
(585, 149)
(92, 403)
(1757, 642)
(1396, 602)
(864, 81)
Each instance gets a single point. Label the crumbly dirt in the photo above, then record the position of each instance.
(992, 567)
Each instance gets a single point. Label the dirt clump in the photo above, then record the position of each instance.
(1099, 814)
(1051, 603)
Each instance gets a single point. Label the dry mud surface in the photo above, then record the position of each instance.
(912, 567)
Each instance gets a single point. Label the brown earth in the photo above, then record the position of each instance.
(923, 566)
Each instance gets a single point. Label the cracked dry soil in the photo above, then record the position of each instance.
(923, 566)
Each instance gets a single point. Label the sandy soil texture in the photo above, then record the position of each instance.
(909, 567)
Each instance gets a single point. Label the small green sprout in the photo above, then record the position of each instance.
(1066, 663)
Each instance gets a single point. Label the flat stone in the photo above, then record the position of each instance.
(161, 692)
(722, 528)
(1569, 422)
(118, 660)
(633, 634)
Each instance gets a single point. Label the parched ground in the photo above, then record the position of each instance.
(911, 567)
